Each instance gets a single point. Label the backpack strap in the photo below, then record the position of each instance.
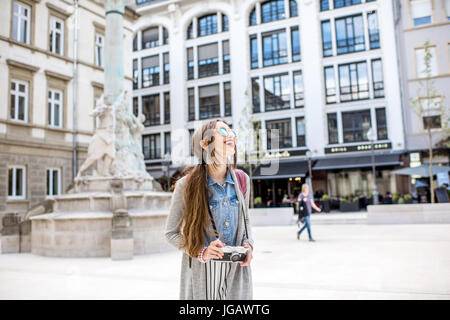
(241, 180)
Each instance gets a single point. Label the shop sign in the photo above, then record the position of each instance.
(361, 147)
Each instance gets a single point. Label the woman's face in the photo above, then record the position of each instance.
(306, 189)
(224, 142)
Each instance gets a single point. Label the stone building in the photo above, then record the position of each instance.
(322, 72)
(39, 139)
(416, 23)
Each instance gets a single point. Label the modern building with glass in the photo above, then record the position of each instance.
(321, 72)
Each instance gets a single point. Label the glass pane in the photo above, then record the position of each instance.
(19, 182)
(55, 182)
(10, 181)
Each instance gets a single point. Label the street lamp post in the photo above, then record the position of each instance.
(165, 167)
(308, 156)
(371, 135)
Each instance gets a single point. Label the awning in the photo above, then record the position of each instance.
(362, 161)
(286, 169)
(423, 170)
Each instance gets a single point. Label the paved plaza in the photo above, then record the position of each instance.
(348, 261)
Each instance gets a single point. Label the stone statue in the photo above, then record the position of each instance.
(101, 149)
(129, 158)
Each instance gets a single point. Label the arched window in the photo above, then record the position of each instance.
(225, 23)
(150, 38)
(190, 31)
(252, 19)
(293, 9)
(272, 10)
(207, 25)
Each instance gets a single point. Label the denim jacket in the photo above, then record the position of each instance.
(224, 206)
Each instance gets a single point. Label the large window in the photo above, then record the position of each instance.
(353, 81)
(324, 5)
(345, 3)
(151, 145)
(421, 69)
(327, 44)
(166, 68)
(208, 61)
(135, 74)
(295, 40)
(377, 78)
(284, 133)
(421, 12)
(333, 137)
(381, 123)
(374, 33)
(277, 92)
(150, 38)
(274, 48)
(19, 100)
(191, 104)
(301, 131)
(350, 34)
(226, 56)
(272, 10)
(293, 8)
(21, 22)
(190, 63)
(151, 110)
(253, 52)
(56, 36)
(227, 98)
(17, 182)
(209, 101)
(299, 95)
(55, 108)
(167, 143)
(150, 71)
(330, 85)
(53, 182)
(207, 25)
(255, 95)
(99, 49)
(355, 125)
(252, 18)
(166, 107)
(447, 9)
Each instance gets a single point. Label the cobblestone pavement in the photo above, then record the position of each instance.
(355, 261)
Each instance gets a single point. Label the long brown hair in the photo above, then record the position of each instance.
(195, 220)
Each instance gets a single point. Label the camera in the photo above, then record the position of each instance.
(233, 254)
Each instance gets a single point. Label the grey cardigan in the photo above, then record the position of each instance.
(193, 273)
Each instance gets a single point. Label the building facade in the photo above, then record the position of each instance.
(313, 70)
(418, 22)
(38, 134)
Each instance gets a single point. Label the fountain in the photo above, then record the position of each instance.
(117, 211)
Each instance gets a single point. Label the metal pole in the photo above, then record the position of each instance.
(75, 91)
(375, 191)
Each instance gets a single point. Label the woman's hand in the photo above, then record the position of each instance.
(214, 250)
(249, 257)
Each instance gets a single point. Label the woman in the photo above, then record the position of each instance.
(306, 197)
(208, 211)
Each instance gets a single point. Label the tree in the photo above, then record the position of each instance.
(430, 108)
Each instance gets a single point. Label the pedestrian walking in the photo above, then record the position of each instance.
(209, 211)
(305, 196)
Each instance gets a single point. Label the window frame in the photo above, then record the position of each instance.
(14, 16)
(14, 196)
(49, 182)
(18, 94)
(51, 102)
(53, 31)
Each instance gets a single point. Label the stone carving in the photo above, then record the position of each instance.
(101, 149)
(116, 144)
(129, 159)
